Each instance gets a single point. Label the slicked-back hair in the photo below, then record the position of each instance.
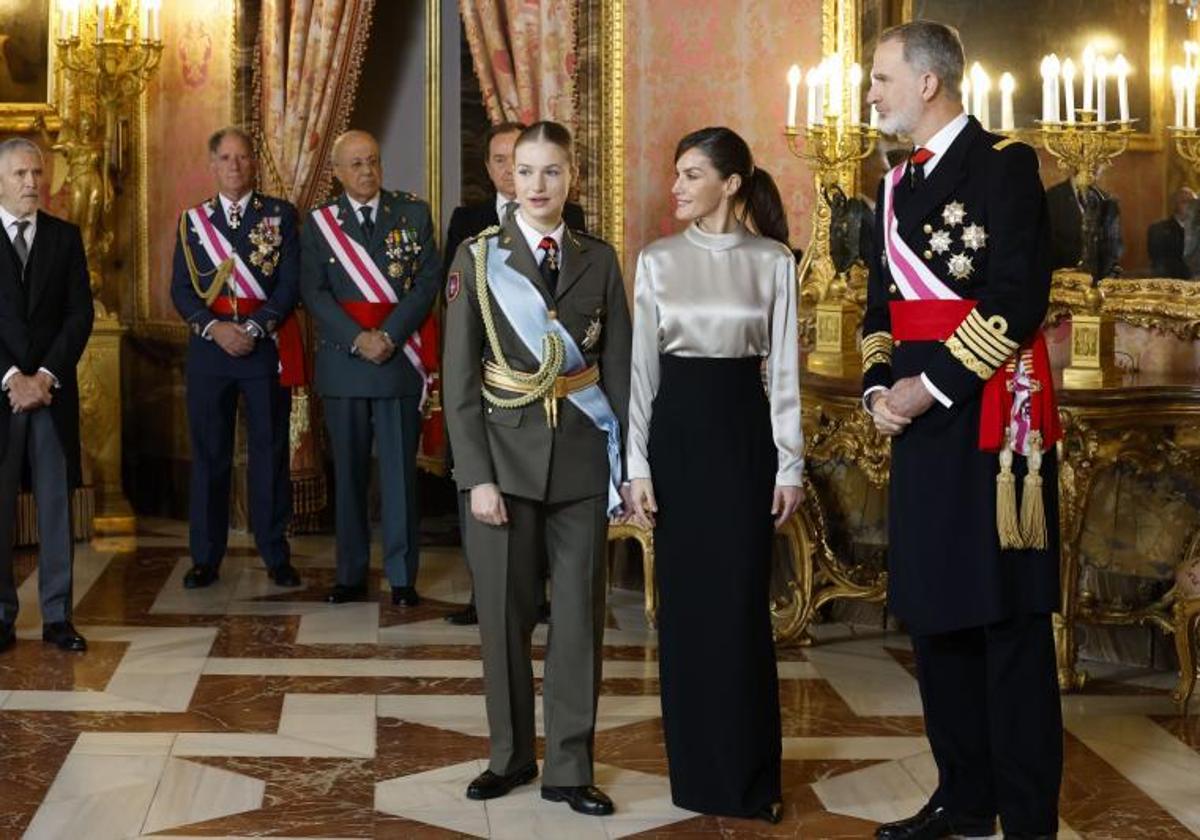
(494, 131)
(549, 132)
(19, 144)
(214, 140)
(932, 47)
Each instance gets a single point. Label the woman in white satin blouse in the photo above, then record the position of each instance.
(715, 461)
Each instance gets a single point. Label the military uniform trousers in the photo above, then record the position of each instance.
(994, 721)
(33, 434)
(212, 415)
(394, 424)
(505, 564)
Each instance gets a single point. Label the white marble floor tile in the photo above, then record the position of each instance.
(310, 725)
(191, 793)
(881, 792)
(87, 568)
(439, 632)
(867, 677)
(436, 797)
(467, 714)
(1162, 766)
(852, 748)
(123, 743)
(340, 624)
(453, 668)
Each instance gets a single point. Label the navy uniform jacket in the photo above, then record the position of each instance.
(946, 568)
(325, 285)
(275, 266)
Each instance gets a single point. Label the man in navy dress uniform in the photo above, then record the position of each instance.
(235, 281)
(956, 372)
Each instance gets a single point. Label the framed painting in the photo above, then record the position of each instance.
(27, 84)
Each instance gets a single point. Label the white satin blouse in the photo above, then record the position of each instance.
(723, 295)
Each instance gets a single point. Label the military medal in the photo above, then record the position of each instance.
(266, 239)
(954, 213)
(394, 270)
(974, 237)
(960, 266)
(591, 336)
(939, 243)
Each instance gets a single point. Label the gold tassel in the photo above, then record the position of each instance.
(1033, 508)
(1007, 523)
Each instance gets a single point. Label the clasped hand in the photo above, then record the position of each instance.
(27, 393)
(374, 345)
(232, 338)
(893, 409)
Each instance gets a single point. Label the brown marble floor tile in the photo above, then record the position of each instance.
(387, 827)
(1101, 804)
(36, 666)
(812, 708)
(33, 747)
(1185, 729)
(404, 748)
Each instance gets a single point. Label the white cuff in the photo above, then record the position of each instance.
(8, 374)
(937, 394)
(204, 332)
(53, 378)
(866, 397)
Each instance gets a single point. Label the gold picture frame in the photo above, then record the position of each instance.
(22, 116)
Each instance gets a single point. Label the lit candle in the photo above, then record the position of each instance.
(1122, 69)
(1068, 77)
(1190, 48)
(1089, 75)
(835, 85)
(856, 79)
(1191, 97)
(966, 94)
(985, 110)
(1007, 85)
(1178, 81)
(976, 90)
(1101, 89)
(814, 106)
(1050, 68)
(155, 20)
(73, 5)
(101, 14)
(793, 80)
(874, 117)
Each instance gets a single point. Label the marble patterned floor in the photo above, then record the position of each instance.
(246, 710)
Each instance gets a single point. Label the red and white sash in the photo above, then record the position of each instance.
(245, 285)
(913, 277)
(367, 276)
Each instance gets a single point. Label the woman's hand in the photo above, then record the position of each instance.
(487, 505)
(786, 502)
(643, 505)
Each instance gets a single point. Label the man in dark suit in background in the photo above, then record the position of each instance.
(1164, 239)
(469, 220)
(45, 319)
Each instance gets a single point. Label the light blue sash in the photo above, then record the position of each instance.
(525, 309)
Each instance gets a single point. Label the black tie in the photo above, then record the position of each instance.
(20, 244)
(916, 166)
(549, 266)
(368, 224)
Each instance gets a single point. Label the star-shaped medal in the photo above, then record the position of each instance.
(974, 237)
(939, 243)
(954, 213)
(960, 266)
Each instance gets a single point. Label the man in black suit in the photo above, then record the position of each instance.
(956, 372)
(1164, 239)
(45, 320)
(468, 221)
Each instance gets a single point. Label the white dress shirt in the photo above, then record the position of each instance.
(357, 206)
(501, 203)
(534, 237)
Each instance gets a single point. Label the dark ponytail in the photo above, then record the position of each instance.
(730, 155)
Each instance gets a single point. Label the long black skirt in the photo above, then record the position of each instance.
(714, 461)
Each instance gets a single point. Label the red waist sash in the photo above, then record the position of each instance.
(293, 364)
(936, 320)
(368, 314)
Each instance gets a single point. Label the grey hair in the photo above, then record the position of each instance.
(214, 140)
(19, 144)
(932, 47)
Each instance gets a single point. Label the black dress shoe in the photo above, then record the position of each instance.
(199, 577)
(465, 616)
(489, 785)
(62, 634)
(405, 596)
(285, 575)
(340, 594)
(8, 636)
(772, 813)
(933, 823)
(583, 799)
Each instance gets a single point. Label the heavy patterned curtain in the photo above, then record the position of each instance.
(524, 56)
(311, 55)
(309, 61)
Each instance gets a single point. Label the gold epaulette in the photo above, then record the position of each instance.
(487, 231)
(876, 349)
(1005, 143)
(981, 344)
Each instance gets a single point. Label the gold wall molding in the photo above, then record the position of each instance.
(612, 133)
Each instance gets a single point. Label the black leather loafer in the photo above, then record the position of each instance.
(199, 577)
(583, 799)
(285, 575)
(489, 785)
(341, 594)
(62, 634)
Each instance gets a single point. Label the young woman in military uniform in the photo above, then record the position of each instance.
(535, 390)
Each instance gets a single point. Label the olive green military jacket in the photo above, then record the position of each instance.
(516, 448)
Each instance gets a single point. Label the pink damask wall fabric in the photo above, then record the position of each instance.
(524, 56)
(311, 54)
(719, 62)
